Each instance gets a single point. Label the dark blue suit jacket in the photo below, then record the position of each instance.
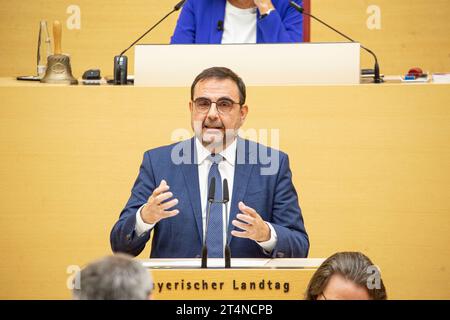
(198, 23)
(272, 196)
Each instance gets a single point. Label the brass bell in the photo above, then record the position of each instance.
(58, 64)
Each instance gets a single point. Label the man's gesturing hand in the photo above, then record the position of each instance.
(154, 210)
(253, 225)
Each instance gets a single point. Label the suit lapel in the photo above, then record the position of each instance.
(218, 14)
(242, 173)
(190, 173)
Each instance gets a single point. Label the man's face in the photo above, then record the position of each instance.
(212, 128)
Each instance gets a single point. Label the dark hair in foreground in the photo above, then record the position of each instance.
(117, 277)
(353, 266)
(221, 73)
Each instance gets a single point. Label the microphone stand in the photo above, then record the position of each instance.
(377, 77)
(204, 247)
(121, 61)
(226, 199)
(211, 192)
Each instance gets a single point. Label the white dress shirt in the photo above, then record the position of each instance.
(226, 169)
(239, 25)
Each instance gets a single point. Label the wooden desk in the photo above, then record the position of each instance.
(371, 164)
(285, 279)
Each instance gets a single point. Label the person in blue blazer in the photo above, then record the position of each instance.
(238, 21)
(169, 197)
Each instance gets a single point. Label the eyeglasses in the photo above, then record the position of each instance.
(223, 105)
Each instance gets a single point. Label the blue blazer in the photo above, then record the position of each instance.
(198, 21)
(272, 196)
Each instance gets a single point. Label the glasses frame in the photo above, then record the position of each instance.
(194, 102)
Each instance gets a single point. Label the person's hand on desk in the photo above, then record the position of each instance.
(254, 226)
(156, 209)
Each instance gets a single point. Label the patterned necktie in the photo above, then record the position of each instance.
(214, 237)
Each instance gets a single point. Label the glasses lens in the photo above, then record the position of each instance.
(224, 105)
(202, 104)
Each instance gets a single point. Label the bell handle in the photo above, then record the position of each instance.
(57, 36)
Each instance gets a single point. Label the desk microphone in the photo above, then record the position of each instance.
(226, 199)
(121, 61)
(376, 78)
(211, 192)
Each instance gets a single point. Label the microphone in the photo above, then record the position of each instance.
(376, 78)
(121, 61)
(179, 5)
(211, 192)
(220, 25)
(225, 200)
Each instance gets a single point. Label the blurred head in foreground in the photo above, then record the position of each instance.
(117, 277)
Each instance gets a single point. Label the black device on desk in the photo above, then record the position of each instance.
(92, 74)
(92, 77)
(29, 78)
(110, 79)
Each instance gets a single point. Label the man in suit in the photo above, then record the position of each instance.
(170, 195)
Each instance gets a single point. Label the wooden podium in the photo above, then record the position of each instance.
(279, 64)
(247, 279)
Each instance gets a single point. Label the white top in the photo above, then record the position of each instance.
(226, 169)
(239, 25)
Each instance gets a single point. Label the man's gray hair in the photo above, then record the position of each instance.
(221, 73)
(117, 277)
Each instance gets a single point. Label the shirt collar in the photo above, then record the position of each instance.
(229, 154)
(233, 9)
